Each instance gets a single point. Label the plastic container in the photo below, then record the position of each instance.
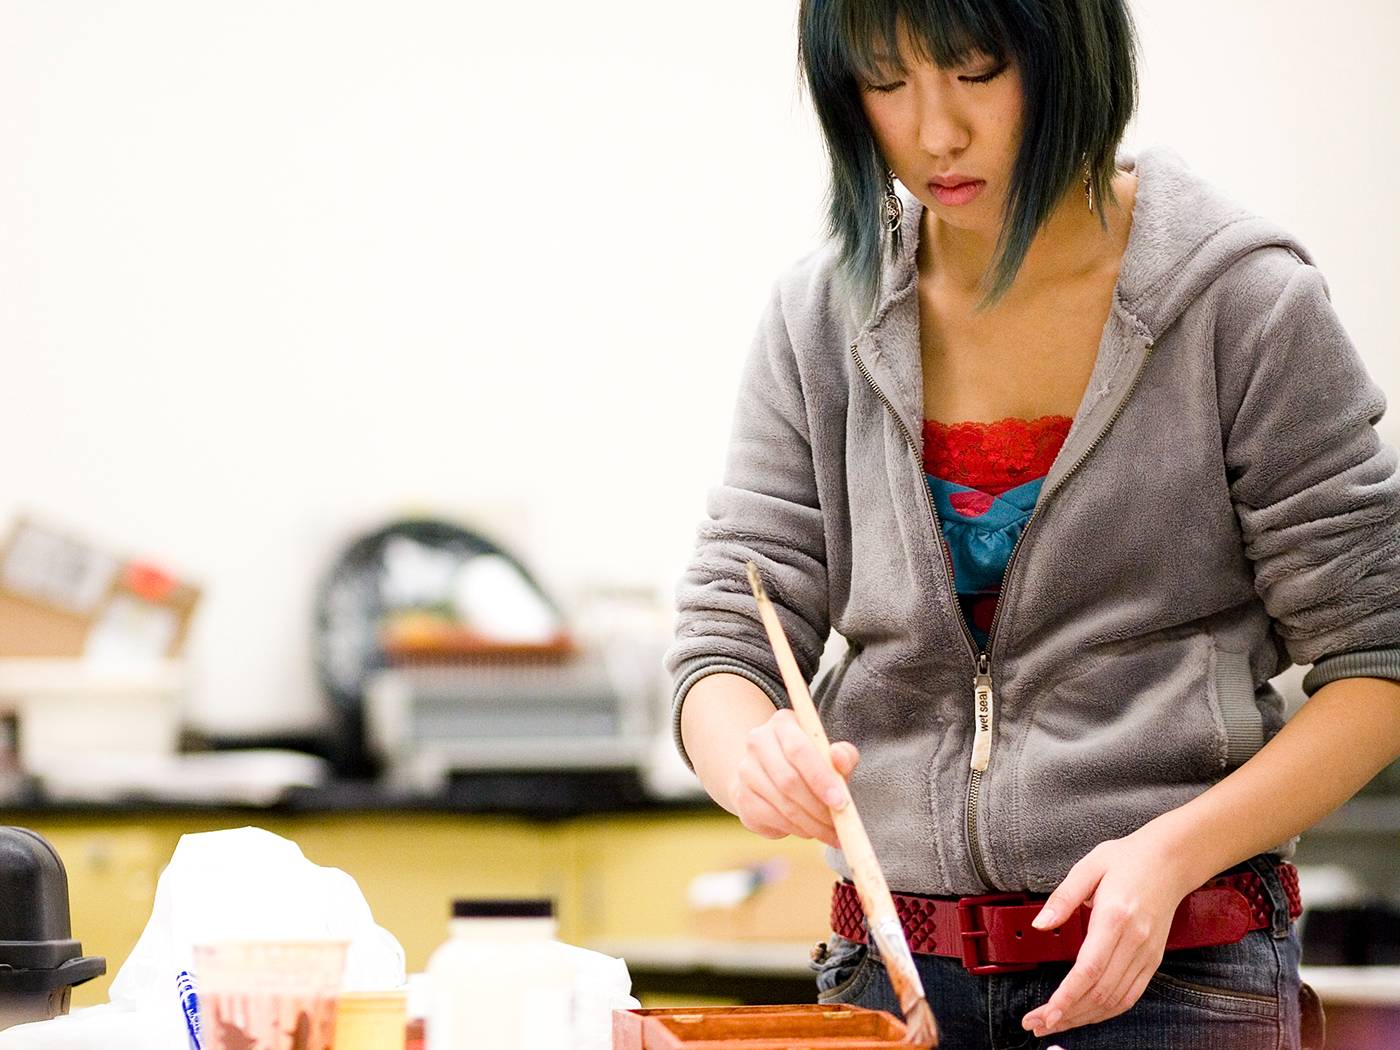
(40, 962)
(499, 980)
(71, 711)
(273, 995)
(371, 1021)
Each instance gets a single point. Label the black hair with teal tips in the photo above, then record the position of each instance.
(1078, 66)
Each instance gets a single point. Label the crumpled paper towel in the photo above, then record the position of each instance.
(240, 884)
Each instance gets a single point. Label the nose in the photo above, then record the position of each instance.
(943, 131)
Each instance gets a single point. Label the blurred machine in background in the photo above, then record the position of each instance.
(428, 722)
(442, 654)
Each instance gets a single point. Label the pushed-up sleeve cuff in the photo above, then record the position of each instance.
(690, 673)
(1364, 663)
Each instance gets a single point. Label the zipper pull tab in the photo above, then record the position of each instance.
(982, 710)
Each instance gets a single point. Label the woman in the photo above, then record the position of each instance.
(1075, 456)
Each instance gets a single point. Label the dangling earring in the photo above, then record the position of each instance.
(894, 207)
(1088, 183)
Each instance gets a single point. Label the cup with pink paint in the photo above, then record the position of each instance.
(269, 995)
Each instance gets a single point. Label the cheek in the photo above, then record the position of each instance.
(1002, 132)
(887, 127)
(1011, 108)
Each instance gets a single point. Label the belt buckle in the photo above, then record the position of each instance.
(972, 934)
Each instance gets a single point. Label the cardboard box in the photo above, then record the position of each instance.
(788, 898)
(63, 596)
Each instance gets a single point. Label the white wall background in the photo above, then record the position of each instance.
(271, 272)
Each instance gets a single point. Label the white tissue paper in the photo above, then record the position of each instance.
(601, 985)
(241, 884)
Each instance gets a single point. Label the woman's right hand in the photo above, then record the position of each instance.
(783, 785)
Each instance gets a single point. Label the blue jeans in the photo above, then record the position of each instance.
(1241, 996)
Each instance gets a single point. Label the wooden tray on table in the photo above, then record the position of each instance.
(800, 1027)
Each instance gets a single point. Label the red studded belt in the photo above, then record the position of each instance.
(993, 933)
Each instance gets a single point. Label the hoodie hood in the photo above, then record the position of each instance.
(1185, 233)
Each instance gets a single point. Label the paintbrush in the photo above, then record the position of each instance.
(874, 893)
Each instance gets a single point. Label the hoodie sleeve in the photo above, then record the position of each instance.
(766, 510)
(1316, 490)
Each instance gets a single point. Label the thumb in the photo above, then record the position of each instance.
(1078, 887)
(844, 757)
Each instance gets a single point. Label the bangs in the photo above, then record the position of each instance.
(865, 40)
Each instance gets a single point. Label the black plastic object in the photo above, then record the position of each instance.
(351, 605)
(503, 908)
(39, 960)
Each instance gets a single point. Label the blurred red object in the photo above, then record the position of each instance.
(426, 638)
(146, 581)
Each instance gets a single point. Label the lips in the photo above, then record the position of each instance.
(953, 196)
(949, 181)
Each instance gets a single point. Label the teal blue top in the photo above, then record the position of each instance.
(982, 531)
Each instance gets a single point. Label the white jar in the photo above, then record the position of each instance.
(498, 981)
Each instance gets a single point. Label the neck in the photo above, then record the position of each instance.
(1069, 244)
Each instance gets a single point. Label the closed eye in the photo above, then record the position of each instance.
(987, 76)
(885, 89)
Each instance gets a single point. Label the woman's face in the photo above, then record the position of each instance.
(963, 123)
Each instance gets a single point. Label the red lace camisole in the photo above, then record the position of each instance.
(985, 479)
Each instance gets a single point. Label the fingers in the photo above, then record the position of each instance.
(794, 818)
(844, 757)
(786, 786)
(1121, 1000)
(1131, 988)
(1084, 982)
(758, 814)
(1123, 996)
(819, 780)
(1108, 976)
(776, 755)
(768, 773)
(1078, 886)
(1140, 984)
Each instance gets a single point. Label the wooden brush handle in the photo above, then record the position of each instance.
(869, 880)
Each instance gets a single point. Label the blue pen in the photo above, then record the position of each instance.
(189, 1003)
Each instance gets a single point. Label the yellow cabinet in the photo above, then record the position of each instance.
(615, 878)
(635, 873)
(411, 866)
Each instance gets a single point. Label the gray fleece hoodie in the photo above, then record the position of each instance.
(1221, 507)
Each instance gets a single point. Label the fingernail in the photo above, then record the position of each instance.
(1045, 918)
(835, 797)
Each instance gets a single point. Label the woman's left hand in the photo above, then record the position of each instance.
(1133, 885)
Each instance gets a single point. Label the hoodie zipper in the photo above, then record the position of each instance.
(983, 696)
